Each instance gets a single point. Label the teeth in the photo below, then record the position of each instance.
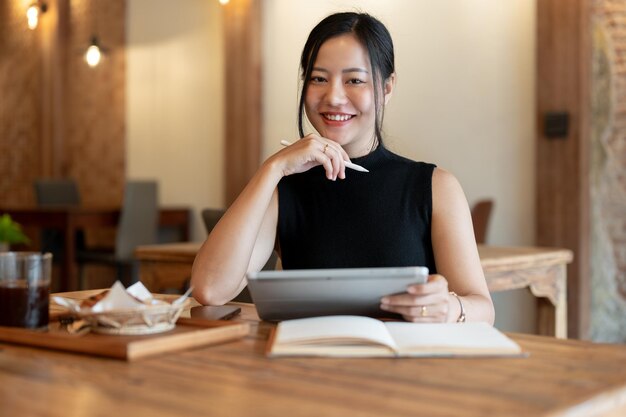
(338, 117)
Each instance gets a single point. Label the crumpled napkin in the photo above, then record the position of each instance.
(136, 296)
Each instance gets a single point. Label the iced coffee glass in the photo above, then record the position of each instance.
(25, 289)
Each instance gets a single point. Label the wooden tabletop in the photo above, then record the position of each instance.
(177, 252)
(559, 378)
(498, 258)
(492, 258)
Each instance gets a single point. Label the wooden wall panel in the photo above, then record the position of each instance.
(242, 26)
(562, 203)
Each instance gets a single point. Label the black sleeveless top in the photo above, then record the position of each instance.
(376, 219)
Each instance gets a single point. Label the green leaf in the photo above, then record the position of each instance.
(11, 232)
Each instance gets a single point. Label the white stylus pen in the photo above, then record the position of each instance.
(348, 164)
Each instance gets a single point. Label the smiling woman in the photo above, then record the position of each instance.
(400, 213)
(338, 97)
(347, 71)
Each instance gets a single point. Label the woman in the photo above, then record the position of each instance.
(401, 213)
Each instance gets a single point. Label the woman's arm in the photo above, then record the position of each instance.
(243, 239)
(456, 254)
(239, 242)
(457, 260)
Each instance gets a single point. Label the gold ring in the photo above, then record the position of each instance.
(325, 147)
(424, 311)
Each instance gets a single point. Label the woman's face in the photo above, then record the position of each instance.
(339, 100)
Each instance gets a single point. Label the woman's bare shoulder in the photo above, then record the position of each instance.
(444, 181)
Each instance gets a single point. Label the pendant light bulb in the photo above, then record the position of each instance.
(93, 54)
(32, 14)
(223, 2)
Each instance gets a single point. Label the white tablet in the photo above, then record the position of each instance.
(289, 294)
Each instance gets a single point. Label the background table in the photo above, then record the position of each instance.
(542, 270)
(71, 219)
(560, 378)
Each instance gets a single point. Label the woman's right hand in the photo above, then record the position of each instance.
(310, 151)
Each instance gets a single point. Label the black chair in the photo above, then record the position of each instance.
(138, 225)
(210, 217)
(57, 193)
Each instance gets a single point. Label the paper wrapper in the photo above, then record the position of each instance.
(130, 311)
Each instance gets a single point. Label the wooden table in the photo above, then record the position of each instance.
(542, 270)
(71, 219)
(166, 266)
(560, 378)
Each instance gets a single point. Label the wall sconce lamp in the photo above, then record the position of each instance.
(33, 12)
(93, 55)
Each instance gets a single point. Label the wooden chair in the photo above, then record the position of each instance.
(481, 213)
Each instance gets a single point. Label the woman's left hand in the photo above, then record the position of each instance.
(422, 303)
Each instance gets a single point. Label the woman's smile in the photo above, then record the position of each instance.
(337, 119)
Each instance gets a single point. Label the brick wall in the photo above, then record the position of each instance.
(20, 105)
(608, 171)
(95, 101)
(90, 146)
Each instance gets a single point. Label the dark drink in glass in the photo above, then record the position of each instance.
(25, 289)
(23, 305)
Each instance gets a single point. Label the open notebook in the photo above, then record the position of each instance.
(356, 336)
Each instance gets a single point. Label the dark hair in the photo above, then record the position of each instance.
(374, 37)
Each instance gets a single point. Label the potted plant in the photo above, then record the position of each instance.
(10, 233)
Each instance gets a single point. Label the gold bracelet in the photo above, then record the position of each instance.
(461, 318)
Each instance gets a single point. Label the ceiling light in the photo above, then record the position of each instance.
(33, 12)
(93, 55)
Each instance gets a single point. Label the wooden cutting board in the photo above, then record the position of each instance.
(188, 333)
